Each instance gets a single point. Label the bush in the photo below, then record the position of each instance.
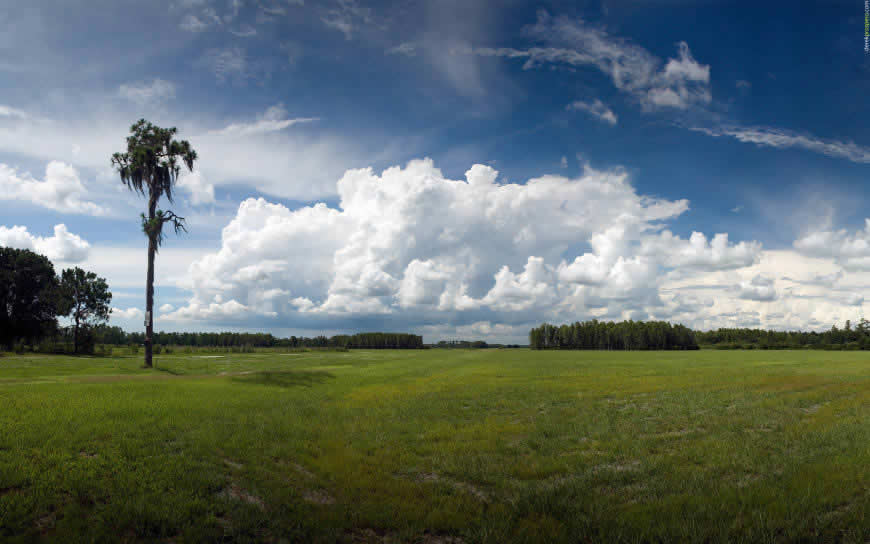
(134, 349)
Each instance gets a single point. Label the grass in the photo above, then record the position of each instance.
(437, 446)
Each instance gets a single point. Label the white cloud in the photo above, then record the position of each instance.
(127, 313)
(414, 246)
(564, 162)
(273, 119)
(166, 308)
(784, 139)
(850, 250)
(282, 162)
(520, 292)
(61, 190)
(7, 111)
(124, 267)
(153, 92)
(758, 288)
(596, 108)
(680, 84)
(696, 252)
(63, 246)
(783, 290)
(201, 192)
(211, 312)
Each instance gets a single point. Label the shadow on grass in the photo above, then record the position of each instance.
(285, 378)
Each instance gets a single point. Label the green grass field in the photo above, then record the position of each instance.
(437, 446)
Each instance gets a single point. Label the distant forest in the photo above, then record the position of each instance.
(366, 340)
(660, 335)
(608, 335)
(849, 338)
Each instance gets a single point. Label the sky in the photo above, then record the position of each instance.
(457, 169)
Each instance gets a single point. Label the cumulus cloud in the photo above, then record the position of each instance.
(596, 108)
(758, 288)
(61, 190)
(216, 311)
(851, 250)
(783, 290)
(149, 92)
(696, 252)
(63, 246)
(412, 246)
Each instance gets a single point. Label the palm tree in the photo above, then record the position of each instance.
(150, 167)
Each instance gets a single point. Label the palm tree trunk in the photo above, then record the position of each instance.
(149, 305)
(149, 286)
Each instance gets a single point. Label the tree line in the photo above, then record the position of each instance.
(367, 340)
(609, 335)
(848, 337)
(32, 297)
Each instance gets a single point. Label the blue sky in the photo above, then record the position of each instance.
(646, 121)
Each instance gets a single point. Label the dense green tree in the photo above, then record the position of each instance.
(88, 298)
(28, 296)
(626, 335)
(150, 167)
